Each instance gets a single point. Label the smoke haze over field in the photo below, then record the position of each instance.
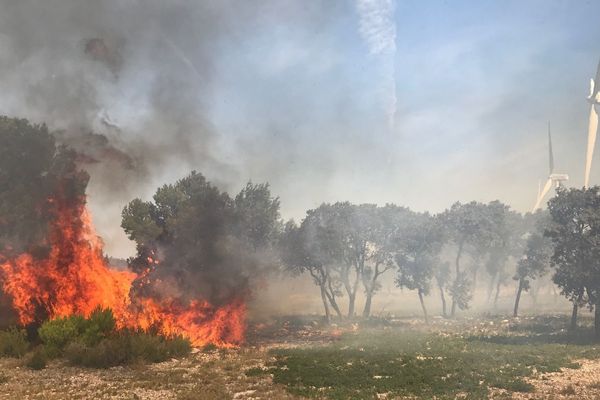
(295, 93)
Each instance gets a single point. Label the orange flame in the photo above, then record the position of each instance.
(74, 278)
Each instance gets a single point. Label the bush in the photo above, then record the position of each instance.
(126, 347)
(13, 343)
(58, 333)
(38, 359)
(98, 326)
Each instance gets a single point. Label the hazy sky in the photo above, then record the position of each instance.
(420, 103)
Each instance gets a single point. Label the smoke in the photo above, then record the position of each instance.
(293, 93)
(378, 29)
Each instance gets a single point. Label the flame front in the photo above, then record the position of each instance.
(74, 278)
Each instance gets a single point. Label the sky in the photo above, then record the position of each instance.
(418, 103)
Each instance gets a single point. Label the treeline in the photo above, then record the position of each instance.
(213, 245)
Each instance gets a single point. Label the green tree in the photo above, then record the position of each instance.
(575, 233)
(205, 242)
(417, 255)
(257, 215)
(535, 260)
(387, 223)
(468, 225)
(312, 247)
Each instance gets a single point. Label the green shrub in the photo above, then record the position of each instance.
(126, 347)
(38, 359)
(108, 353)
(59, 332)
(100, 324)
(13, 343)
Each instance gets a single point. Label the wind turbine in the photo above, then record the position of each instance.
(553, 178)
(593, 99)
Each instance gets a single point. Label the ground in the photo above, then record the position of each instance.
(291, 358)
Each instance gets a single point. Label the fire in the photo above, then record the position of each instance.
(74, 278)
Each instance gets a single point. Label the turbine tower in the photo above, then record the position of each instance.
(553, 178)
(594, 100)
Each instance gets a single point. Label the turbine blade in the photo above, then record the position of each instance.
(592, 132)
(550, 154)
(543, 194)
(595, 91)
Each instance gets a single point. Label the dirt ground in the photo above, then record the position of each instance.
(221, 374)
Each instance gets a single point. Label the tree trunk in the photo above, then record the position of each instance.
(444, 314)
(423, 306)
(491, 287)
(325, 304)
(497, 292)
(519, 290)
(597, 321)
(367, 309)
(334, 305)
(351, 301)
(574, 312)
(458, 254)
(574, 317)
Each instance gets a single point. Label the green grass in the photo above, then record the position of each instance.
(418, 364)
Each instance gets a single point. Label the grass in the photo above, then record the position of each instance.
(443, 366)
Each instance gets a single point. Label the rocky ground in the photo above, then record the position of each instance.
(227, 374)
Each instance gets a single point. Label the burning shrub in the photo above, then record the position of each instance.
(126, 347)
(13, 343)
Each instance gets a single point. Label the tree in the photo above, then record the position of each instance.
(40, 184)
(312, 247)
(575, 233)
(467, 225)
(504, 242)
(389, 221)
(536, 257)
(37, 177)
(417, 255)
(204, 242)
(442, 278)
(257, 214)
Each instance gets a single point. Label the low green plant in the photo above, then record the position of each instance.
(38, 359)
(13, 343)
(56, 334)
(126, 347)
(59, 332)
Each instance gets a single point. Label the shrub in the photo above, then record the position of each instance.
(126, 347)
(98, 326)
(13, 343)
(57, 333)
(38, 359)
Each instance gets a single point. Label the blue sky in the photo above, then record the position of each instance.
(296, 93)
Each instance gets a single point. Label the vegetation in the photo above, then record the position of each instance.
(13, 343)
(38, 359)
(126, 347)
(440, 365)
(575, 234)
(92, 342)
